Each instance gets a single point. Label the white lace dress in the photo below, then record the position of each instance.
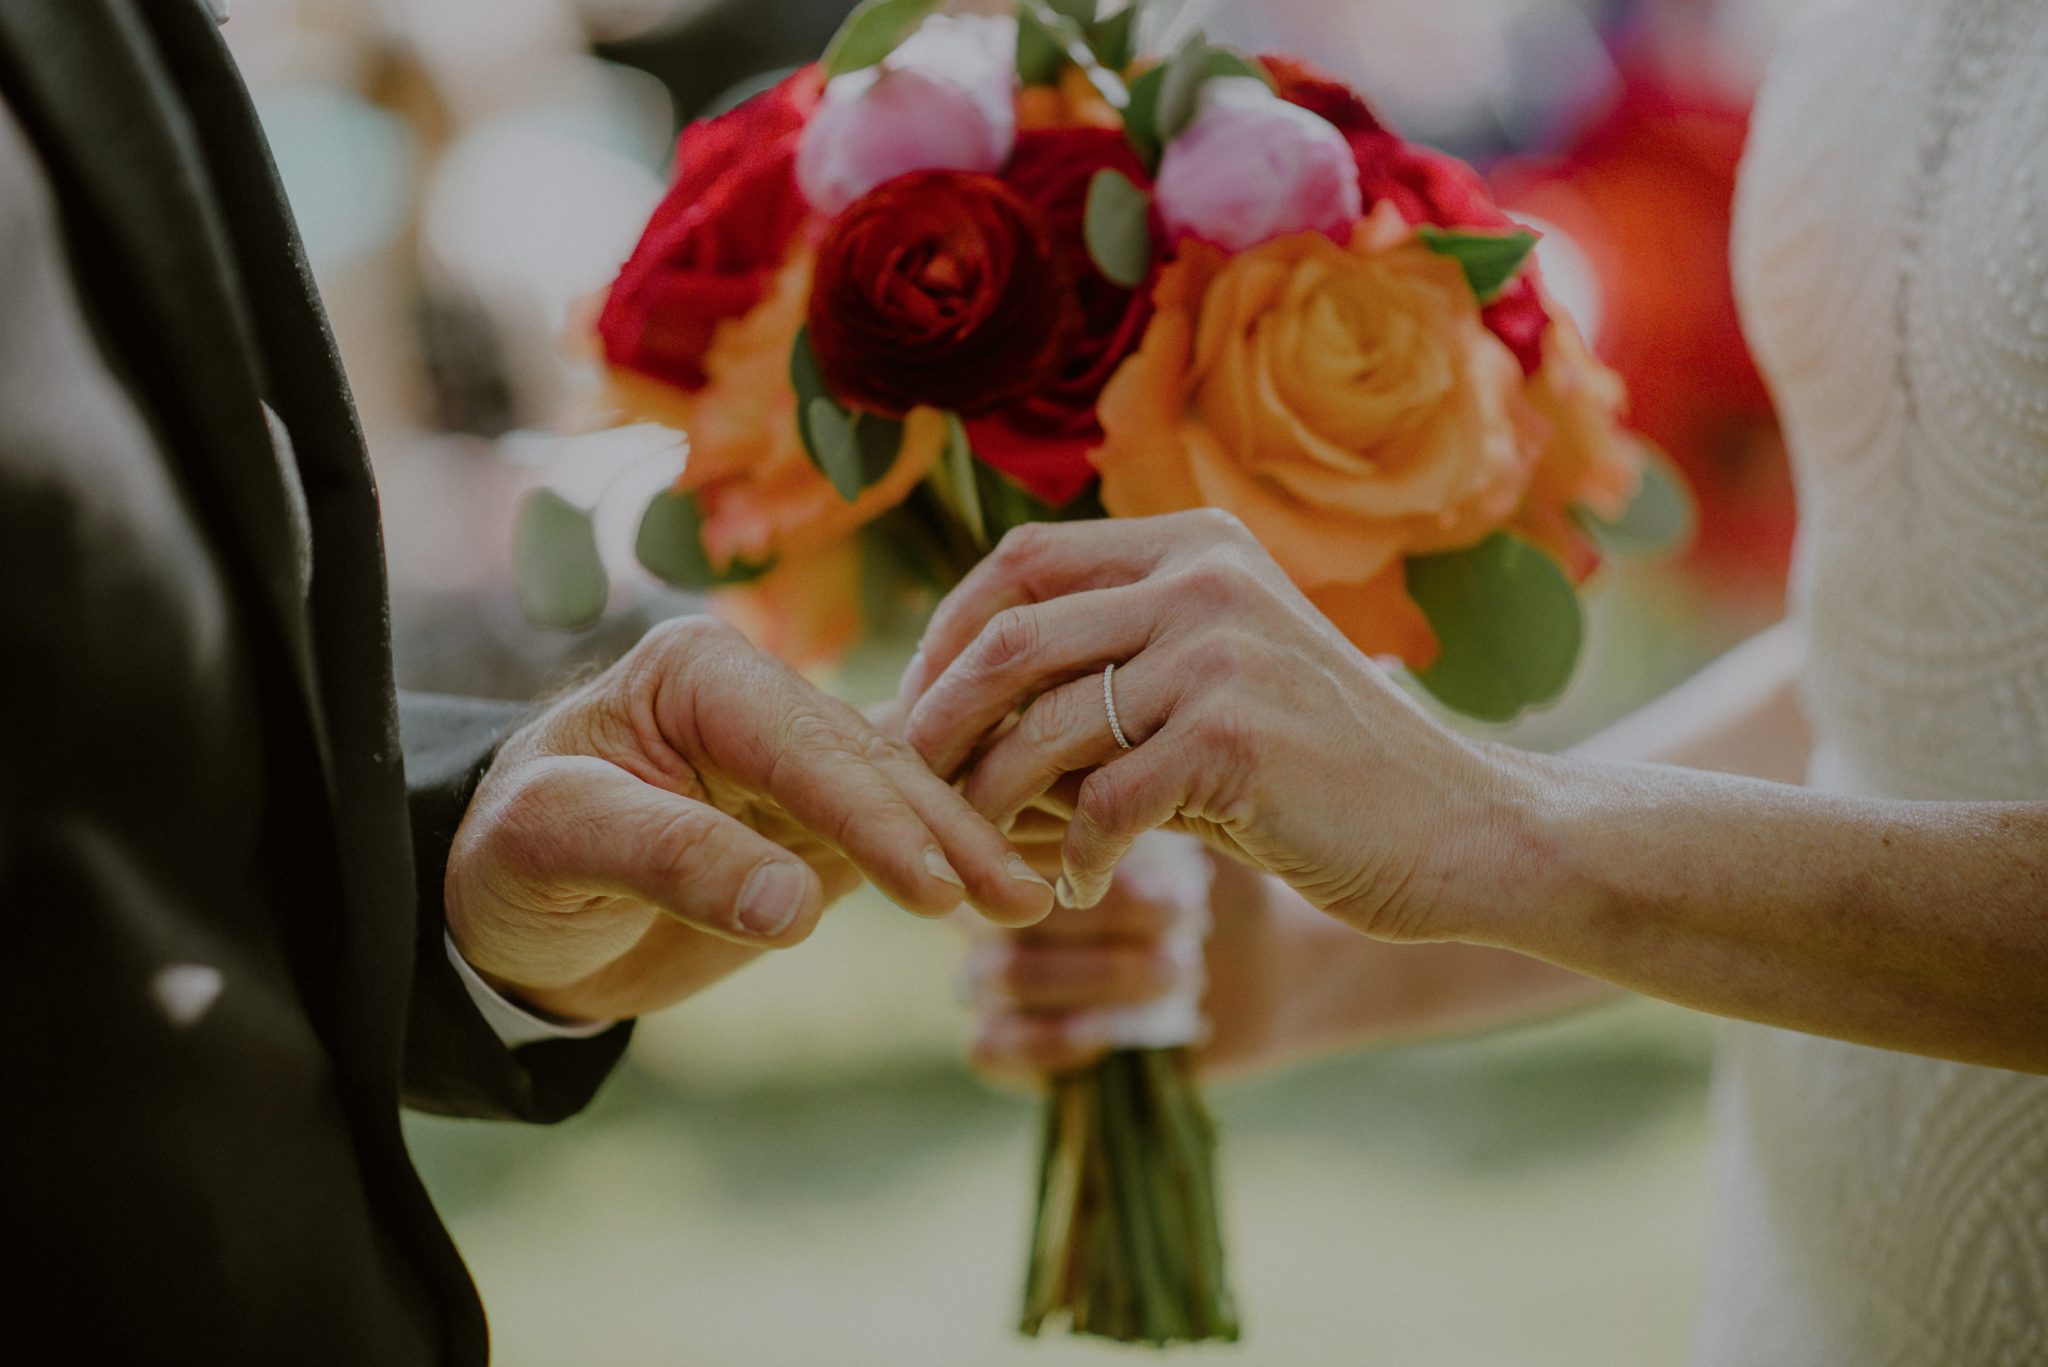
(1877, 1209)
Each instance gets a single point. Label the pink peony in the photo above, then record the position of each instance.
(943, 101)
(1252, 167)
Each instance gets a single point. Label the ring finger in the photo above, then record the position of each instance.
(1068, 730)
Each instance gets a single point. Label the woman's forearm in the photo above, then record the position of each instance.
(1914, 926)
(1287, 982)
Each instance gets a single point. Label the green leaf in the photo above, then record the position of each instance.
(880, 441)
(1041, 55)
(1661, 518)
(671, 546)
(1051, 34)
(874, 30)
(1141, 117)
(1180, 87)
(960, 467)
(1006, 505)
(1165, 99)
(1115, 39)
(558, 576)
(1509, 623)
(1490, 259)
(854, 450)
(1117, 226)
(833, 445)
(805, 375)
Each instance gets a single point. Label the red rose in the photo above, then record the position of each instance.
(1300, 83)
(1042, 440)
(938, 289)
(717, 239)
(1426, 186)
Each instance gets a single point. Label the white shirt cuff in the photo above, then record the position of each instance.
(514, 1024)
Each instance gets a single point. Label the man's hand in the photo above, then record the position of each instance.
(692, 806)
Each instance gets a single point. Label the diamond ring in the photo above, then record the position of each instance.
(1116, 727)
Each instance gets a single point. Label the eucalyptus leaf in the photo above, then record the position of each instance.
(875, 29)
(960, 467)
(1006, 505)
(671, 545)
(1509, 623)
(1180, 87)
(558, 576)
(1659, 519)
(1052, 34)
(1489, 259)
(1115, 39)
(1041, 56)
(805, 375)
(1165, 99)
(880, 441)
(834, 446)
(1117, 227)
(1141, 117)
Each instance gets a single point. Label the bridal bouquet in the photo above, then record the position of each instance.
(972, 271)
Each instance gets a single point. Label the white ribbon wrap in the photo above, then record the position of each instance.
(1173, 869)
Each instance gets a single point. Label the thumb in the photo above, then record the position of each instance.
(593, 827)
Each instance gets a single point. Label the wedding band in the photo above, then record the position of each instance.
(1116, 728)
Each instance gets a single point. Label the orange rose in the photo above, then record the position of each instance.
(1073, 103)
(1346, 401)
(761, 497)
(1589, 460)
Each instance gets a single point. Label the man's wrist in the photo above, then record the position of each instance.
(512, 1022)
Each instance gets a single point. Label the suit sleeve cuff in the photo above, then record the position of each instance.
(510, 1022)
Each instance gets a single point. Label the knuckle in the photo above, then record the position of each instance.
(1011, 639)
(680, 847)
(1219, 523)
(1105, 800)
(687, 636)
(681, 651)
(1218, 658)
(1022, 546)
(523, 819)
(1048, 720)
(1213, 582)
(1222, 736)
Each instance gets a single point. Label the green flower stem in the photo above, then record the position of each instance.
(1127, 1243)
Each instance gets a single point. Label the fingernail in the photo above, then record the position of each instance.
(1020, 869)
(913, 678)
(1064, 891)
(935, 864)
(770, 900)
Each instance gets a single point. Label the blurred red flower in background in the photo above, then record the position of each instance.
(1646, 191)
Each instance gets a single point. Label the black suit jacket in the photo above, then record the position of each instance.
(221, 965)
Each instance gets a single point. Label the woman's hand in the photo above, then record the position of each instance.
(1254, 724)
(1124, 973)
(1905, 925)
